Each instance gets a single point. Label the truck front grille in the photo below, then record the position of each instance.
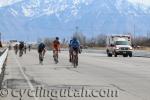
(124, 48)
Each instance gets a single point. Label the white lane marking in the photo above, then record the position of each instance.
(28, 80)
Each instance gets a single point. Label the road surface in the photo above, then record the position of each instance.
(100, 77)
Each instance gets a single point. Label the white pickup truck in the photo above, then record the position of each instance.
(119, 45)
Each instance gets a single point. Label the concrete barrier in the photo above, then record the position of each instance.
(2, 59)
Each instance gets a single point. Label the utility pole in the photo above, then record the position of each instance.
(77, 28)
(134, 32)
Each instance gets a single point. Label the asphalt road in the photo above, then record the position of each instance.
(97, 77)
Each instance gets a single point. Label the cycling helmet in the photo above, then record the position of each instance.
(57, 38)
(74, 38)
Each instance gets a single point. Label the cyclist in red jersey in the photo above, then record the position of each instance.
(56, 48)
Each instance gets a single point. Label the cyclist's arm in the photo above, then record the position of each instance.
(45, 48)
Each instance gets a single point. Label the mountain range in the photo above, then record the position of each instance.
(32, 19)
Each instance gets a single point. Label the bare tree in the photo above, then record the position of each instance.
(101, 40)
(142, 41)
(48, 42)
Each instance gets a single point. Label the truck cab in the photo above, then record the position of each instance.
(119, 45)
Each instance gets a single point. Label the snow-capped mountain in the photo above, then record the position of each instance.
(41, 18)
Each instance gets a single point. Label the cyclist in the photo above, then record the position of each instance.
(29, 47)
(25, 48)
(56, 49)
(41, 51)
(16, 49)
(70, 50)
(21, 48)
(74, 46)
(9, 46)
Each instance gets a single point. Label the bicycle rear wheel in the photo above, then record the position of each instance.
(55, 59)
(55, 56)
(20, 53)
(41, 58)
(75, 60)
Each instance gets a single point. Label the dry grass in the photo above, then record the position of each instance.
(144, 48)
(147, 48)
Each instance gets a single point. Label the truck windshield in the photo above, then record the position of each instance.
(122, 43)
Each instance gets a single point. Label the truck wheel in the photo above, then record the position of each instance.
(130, 54)
(109, 54)
(116, 55)
(125, 55)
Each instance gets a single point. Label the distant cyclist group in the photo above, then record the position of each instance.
(21, 48)
(74, 49)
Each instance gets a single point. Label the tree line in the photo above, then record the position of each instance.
(96, 41)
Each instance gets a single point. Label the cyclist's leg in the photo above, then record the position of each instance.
(40, 57)
(77, 50)
(16, 52)
(21, 52)
(55, 56)
(53, 53)
(57, 53)
(44, 53)
(71, 54)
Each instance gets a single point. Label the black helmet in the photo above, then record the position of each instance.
(57, 38)
(74, 38)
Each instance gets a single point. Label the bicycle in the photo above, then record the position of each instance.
(20, 53)
(41, 57)
(25, 50)
(55, 56)
(75, 58)
(16, 51)
(29, 49)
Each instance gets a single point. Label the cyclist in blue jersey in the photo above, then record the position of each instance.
(74, 45)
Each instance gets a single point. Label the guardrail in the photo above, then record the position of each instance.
(3, 58)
